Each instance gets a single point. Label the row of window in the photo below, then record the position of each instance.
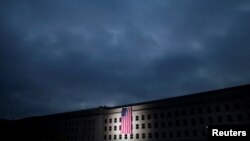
(186, 122)
(157, 135)
(88, 137)
(69, 130)
(75, 122)
(89, 129)
(89, 121)
(71, 138)
(69, 123)
(218, 108)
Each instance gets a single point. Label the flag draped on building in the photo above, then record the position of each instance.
(126, 123)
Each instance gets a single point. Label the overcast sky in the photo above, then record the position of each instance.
(64, 55)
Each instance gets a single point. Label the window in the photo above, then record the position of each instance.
(110, 128)
(169, 114)
(184, 122)
(237, 106)
(105, 128)
(137, 136)
(162, 115)
(110, 120)
(193, 121)
(227, 108)
(219, 118)
(178, 134)
(202, 121)
(105, 137)
(137, 118)
(217, 108)
(143, 126)
(170, 124)
(247, 104)
(143, 135)
(194, 133)
(120, 127)
(177, 113)
(156, 135)
(184, 112)
(115, 128)
(109, 137)
(177, 123)
(126, 136)
(186, 133)
(163, 134)
(156, 125)
(131, 136)
(114, 137)
(149, 125)
(208, 109)
(142, 117)
(149, 116)
(137, 126)
(229, 118)
(171, 135)
(120, 136)
(163, 124)
(203, 132)
(155, 116)
(210, 120)
(115, 120)
(200, 111)
(149, 135)
(240, 117)
(192, 111)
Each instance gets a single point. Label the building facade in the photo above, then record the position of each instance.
(179, 118)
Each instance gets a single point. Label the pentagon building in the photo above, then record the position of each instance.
(174, 119)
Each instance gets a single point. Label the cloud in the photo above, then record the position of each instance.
(66, 55)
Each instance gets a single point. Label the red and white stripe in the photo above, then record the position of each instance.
(126, 123)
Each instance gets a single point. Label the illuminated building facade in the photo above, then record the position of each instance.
(178, 118)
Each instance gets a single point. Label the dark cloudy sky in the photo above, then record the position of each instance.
(64, 55)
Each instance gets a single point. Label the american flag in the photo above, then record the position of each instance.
(126, 123)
